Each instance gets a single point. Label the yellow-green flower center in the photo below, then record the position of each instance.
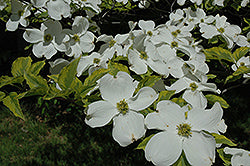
(174, 44)
(76, 38)
(112, 43)
(143, 55)
(175, 33)
(242, 64)
(96, 60)
(184, 130)
(149, 33)
(221, 30)
(48, 38)
(122, 106)
(193, 86)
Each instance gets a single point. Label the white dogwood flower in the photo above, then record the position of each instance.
(182, 2)
(94, 59)
(140, 60)
(193, 91)
(243, 61)
(3, 4)
(19, 12)
(113, 46)
(240, 157)
(47, 40)
(94, 4)
(218, 2)
(120, 106)
(81, 41)
(56, 8)
(182, 130)
(226, 30)
(244, 3)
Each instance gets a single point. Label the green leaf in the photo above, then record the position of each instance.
(218, 53)
(20, 65)
(53, 92)
(68, 74)
(6, 80)
(180, 101)
(232, 78)
(182, 161)
(146, 111)
(36, 67)
(120, 58)
(213, 98)
(247, 20)
(164, 95)
(211, 76)
(148, 81)
(241, 70)
(114, 68)
(143, 144)
(224, 157)
(77, 85)
(12, 103)
(37, 91)
(85, 90)
(213, 40)
(2, 95)
(96, 75)
(240, 52)
(54, 77)
(35, 81)
(221, 139)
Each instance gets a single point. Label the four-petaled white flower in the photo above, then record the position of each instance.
(193, 91)
(240, 157)
(226, 30)
(182, 130)
(56, 8)
(47, 40)
(119, 105)
(19, 12)
(82, 41)
(3, 4)
(243, 61)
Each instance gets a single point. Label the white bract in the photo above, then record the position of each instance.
(94, 4)
(182, 2)
(226, 30)
(3, 4)
(47, 40)
(243, 61)
(193, 91)
(95, 60)
(56, 8)
(140, 60)
(240, 157)
(120, 106)
(218, 2)
(196, 17)
(182, 130)
(81, 40)
(113, 46)
(19, 12)
(244, 3)
(57, 65)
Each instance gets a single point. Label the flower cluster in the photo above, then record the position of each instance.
(168, 51)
